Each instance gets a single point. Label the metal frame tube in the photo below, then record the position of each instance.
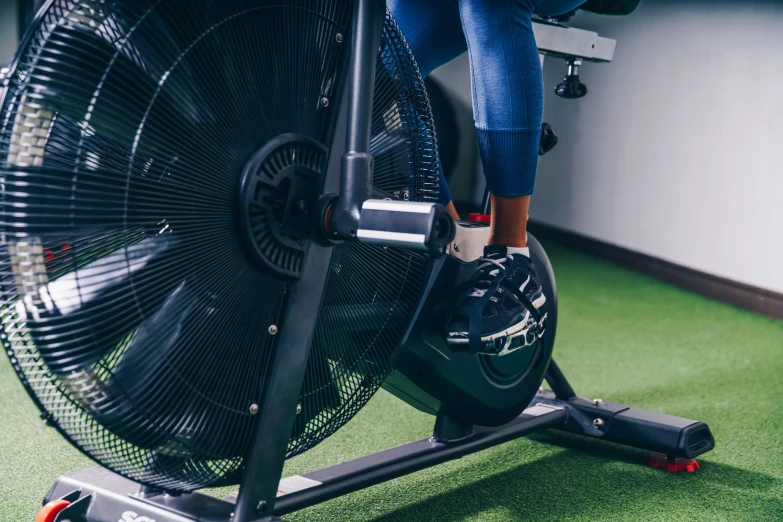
(275, 418)
(356, 173)
(558, 382)
(277, 411)
(396, 462)
(258, 491)
(367, 25)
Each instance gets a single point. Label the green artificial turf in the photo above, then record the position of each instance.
(622, 337)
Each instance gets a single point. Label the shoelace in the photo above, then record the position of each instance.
(486, 263)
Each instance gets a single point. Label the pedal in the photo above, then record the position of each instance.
(406, 224)
(509, 343)
(541, 326)
(512, 343)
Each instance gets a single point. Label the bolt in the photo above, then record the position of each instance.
(253, 409)
(273, 329)
(298, 409)
(300, 207)
(598, 423)
(598, 402)
(261, 506)
(339, 37)
(324, 102)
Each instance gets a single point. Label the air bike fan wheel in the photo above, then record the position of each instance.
(157, 158)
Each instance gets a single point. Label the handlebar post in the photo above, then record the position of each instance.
(357, 162)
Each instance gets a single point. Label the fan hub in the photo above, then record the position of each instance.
(280, 185)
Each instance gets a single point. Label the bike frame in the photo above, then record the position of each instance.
(283, 384)
(349, 174)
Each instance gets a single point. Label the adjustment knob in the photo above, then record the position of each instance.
(571, 88)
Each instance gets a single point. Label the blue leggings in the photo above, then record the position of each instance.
(506, 78)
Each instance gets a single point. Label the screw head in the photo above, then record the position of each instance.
(261, 506)
(298, 409)
(456, 247)
(339, 37)
(253, 409)
(273, 329)
(598, 423)
(324, 102)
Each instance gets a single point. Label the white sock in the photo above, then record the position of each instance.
(517, 250)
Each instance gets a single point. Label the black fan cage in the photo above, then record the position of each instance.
(131, 310)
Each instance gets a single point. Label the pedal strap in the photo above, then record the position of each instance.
(538, 319)
(474, 311)
(510, 287)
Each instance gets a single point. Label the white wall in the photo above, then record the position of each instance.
(677, 150)
(8, 30)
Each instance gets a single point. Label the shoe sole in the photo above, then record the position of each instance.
(511, 332)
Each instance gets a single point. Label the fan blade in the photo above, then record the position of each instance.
(77, 317)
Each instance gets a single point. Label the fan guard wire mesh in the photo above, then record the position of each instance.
(131, 311)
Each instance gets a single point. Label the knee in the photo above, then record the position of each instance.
(506, 72)
(485, 22)
(499, 34)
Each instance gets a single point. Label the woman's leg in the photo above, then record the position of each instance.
(508, 95)
(508, 105)
(433, 29)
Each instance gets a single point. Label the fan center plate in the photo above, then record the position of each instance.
(280, 186)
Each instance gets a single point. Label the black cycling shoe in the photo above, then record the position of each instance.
(498, 311)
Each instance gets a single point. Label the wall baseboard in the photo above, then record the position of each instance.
(759, 300)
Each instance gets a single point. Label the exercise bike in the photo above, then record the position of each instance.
(211, 261)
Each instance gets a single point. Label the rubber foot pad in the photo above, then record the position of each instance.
(675, 465)
(49, 512)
